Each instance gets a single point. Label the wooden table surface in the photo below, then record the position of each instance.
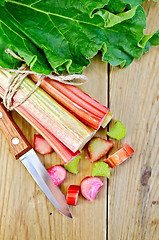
(127, 206)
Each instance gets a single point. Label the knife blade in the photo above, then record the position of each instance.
(43, 179)
(21, 148)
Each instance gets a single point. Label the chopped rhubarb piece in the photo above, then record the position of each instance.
(118, 131)
(120, 156)
(107, 119)
(72, 166)
(76, 101)
(41, 145)
(57, 174)
(101, 169)
(90, 186)
(72, 194)
(98, 147)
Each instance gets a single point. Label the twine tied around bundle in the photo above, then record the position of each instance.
(21, 73)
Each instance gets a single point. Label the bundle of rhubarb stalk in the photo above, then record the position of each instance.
(66, 119)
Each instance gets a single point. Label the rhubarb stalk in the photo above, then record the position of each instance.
(63, 152)
(120, 156)
(51, 115)
(107, 119)
(76, 101)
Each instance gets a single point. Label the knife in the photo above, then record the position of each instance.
(21, 148)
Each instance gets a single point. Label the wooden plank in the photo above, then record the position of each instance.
(25, 213)
(133, 191)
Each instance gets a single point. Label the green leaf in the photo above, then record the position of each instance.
(64, 35)
(62, 32)
(112, 19)
(150, 40)
(101, 169)
(118, 6)
(118, 131)
(123, 39)
(72, 166)
(2, 2)
(11, 37)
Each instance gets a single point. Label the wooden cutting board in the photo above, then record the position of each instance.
(127, 207)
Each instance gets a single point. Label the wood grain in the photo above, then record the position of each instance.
(25, 213)
(133, 193)
(134, 186)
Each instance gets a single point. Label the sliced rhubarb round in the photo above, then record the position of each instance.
(90, 186)
(57, 174)
(41, 145)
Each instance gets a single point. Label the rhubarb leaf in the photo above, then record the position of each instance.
(66, 34)
(150, 40)
(112, 19)
(118, 6)
(101, 169)
(2, 2)
(11, 37)
(118, 131)
(123, 40)
(72, 166)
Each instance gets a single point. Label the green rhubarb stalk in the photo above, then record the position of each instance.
(107, 119)
(51, 115)
(63, 152)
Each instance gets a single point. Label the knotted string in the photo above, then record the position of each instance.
(13, 86)
(20, 74)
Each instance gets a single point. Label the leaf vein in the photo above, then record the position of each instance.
(11, 29)
(53, 14)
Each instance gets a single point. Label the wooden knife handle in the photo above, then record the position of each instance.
(18, 144)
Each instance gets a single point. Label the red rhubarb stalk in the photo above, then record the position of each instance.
(90, 101)
(56, 119)
(63, 152)
(120, 156)
(76, 101)
(72, 195)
